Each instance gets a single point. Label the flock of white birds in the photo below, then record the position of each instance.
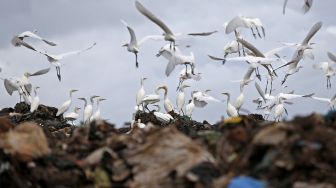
(271, 105)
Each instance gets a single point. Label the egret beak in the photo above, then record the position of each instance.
(124, 45)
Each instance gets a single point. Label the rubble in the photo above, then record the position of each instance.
(41, 150)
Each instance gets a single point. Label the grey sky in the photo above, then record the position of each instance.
(108, 69)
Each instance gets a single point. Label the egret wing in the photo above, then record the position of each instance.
(203, 33)
(332, 57)
(10, 88)
(152, 17)
(316, 27)
(41, 72)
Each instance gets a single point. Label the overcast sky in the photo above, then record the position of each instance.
(109, 70)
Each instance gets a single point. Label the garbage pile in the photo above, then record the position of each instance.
(41, 150)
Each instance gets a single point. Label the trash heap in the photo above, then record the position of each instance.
(42, 150)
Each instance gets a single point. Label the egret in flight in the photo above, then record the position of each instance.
(134, 45)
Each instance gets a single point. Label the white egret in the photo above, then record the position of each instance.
(35, 101)
(134, 45)
(22, 84)
(141, 92)
(136, 124)
(180, 99)
(88, 109)
(245, 22)
(240, 99)
(186, 74)
(162, 117)
(328, 70)
(331, 101)
(201, 99)
(279, 109)
(168, 105)
(190, 107)
(175, 57)
(168, 34)
(298, 54)
(230, 109)
(72, 116)
(305, 8)
(18, 40)
(96, 116)
(55, 59)
(65, 106)
(151, 98)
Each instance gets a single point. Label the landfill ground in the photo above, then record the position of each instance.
(41, 150)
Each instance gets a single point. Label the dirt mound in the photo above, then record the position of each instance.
(41, 150)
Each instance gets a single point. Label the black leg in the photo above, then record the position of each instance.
(254, 35)
(258, 32)
(284, 80)
(266, 86)
(136, 60)
(58, 72)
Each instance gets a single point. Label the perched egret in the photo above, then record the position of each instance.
(240, 99)
(279, 109)
(65, 106)
(168, 105)
(190, 107)
(55, 59)
(141, 92)
(162, 117)
(96, 116)
(72, 116)
(230, 109)
(180, 99)
(151, 98)
(87, 109)
(35, 101)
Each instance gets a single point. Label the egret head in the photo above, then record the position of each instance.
(73, 90)
(27, 74)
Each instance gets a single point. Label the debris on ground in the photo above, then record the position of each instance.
(41, 150)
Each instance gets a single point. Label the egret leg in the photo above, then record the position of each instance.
(266, 86)
(238, 48)
(192, 69)
(257, 73)
(244, 54)
(186, 70)
(254, 35)
(224, 59)
(182, 111)
(271, 86)
(58, 72)
(258, 32)
(284, 80)
(180, 82)
(136, 60)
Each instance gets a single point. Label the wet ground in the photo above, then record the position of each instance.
(41, 150)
